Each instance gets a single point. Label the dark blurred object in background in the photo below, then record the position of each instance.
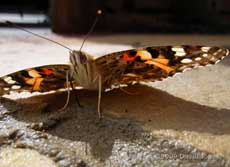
(167, 16)
(25, 12)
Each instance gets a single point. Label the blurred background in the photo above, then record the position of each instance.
(192, 108)
(76, 16)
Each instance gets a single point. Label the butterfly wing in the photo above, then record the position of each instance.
(154, 63)
(37, 79)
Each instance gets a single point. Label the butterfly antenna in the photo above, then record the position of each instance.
(99, 12)
(37, 35)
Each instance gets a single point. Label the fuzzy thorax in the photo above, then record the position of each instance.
(84, 70)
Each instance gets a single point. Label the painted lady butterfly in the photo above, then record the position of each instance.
(126, 67)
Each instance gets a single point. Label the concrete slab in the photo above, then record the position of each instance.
(190, 110)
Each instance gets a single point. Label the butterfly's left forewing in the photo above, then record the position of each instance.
(154, 63)
(37, 79)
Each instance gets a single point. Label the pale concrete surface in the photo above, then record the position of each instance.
(189, 112)
(24, 158)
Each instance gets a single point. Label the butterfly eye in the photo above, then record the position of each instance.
(77, 57)
(82, 58)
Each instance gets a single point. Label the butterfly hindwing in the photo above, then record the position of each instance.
(37, 79)
(155, 63)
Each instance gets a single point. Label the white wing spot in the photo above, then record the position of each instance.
(145, 55)
(180, 54)
(15, 87)
(186, 61)
(217, 61)
(227, 52)
(9, 80)
(197, 58)
(179, 51)
(6, 89)
(62, 89)
(205, 49)
(205, 55)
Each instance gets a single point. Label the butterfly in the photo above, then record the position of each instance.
(127, 67)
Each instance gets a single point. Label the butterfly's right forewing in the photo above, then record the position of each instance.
(155, 63)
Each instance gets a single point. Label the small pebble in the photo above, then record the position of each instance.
(64, 163)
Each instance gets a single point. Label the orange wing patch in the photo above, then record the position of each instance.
(36, 79)
(162, 61)
(128, 57)
(47, 71)
(144, 55)
(34, 82)
(160, 65)
(34, 73)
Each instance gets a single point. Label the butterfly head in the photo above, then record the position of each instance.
(79, 57)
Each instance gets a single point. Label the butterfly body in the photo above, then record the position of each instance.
(84, 70)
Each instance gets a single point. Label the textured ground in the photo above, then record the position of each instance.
(182, 121)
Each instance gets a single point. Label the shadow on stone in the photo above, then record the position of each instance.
(124, 116)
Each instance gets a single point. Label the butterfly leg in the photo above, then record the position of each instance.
(75, 94)
(53, 120)
(68, 92)
(99, 97)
